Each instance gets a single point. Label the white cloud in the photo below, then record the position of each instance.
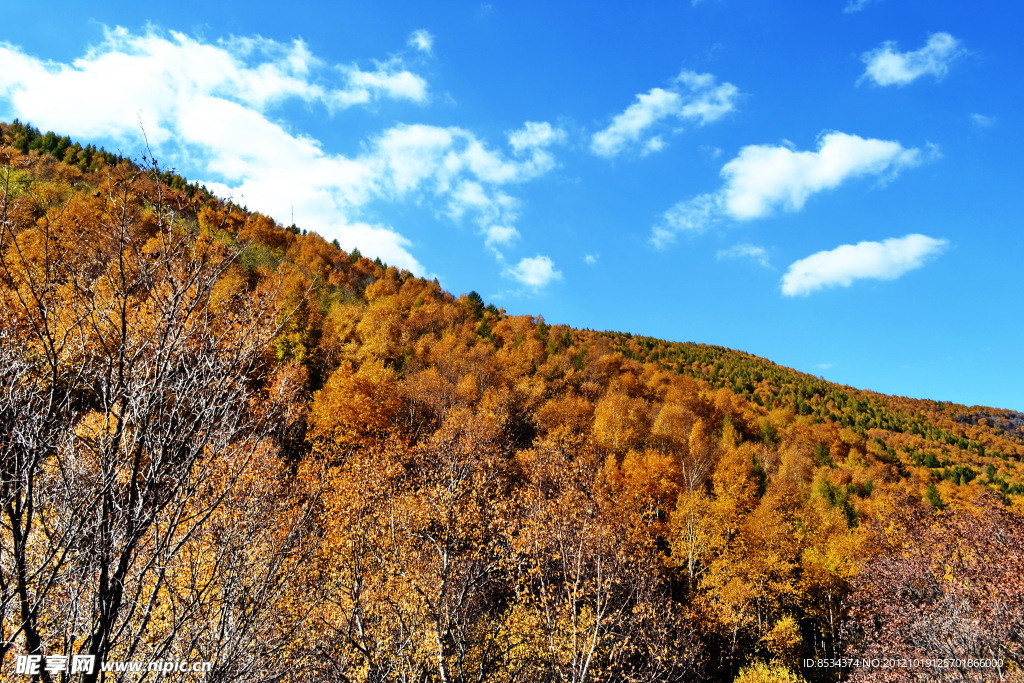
(591, 259)
(454, 165)
(692, 215)
(156, 77)
(535, 135)
(764, 178)
(886, 66)
(421, 40)
(531, 142)
(982, 121)
(842, 266)
(856, 5)
(534, 272)
(388, 80)
(691, 97)
(707, 102)
(629, 126)
(501, 235)
(655, 144)
(380, 241)
(213, 101)
(417, 153)
(746, 251)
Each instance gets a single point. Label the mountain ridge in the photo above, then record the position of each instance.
(468, 491)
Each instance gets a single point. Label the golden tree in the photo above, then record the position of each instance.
(129, 385)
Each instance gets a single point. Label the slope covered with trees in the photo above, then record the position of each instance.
(225, 440)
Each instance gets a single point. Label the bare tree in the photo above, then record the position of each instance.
(133, 372)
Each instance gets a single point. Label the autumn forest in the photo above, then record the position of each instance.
(223, 439)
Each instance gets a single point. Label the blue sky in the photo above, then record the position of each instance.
(833, 185)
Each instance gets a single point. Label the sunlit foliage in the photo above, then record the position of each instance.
(223, 439)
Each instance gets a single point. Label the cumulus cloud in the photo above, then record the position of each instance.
(532, 143)
(421, 40)
(535, 272)
(418, 153)
(691, 97)
(381, 241)
(886, 66)
(842, 266)
(746, 251)
(502, 235)
(764, 178)
(388, 80)
(155, 77)
(453, 165)
(214, 101)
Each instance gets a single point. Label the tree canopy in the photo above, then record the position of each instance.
(225, 439)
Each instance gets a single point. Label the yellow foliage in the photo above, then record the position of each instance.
(355, 407)
(784, 639)
(672, 426)
(392, 483)
(761, 672)
(621, 422)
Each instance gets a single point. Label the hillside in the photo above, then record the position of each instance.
(227, 440)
